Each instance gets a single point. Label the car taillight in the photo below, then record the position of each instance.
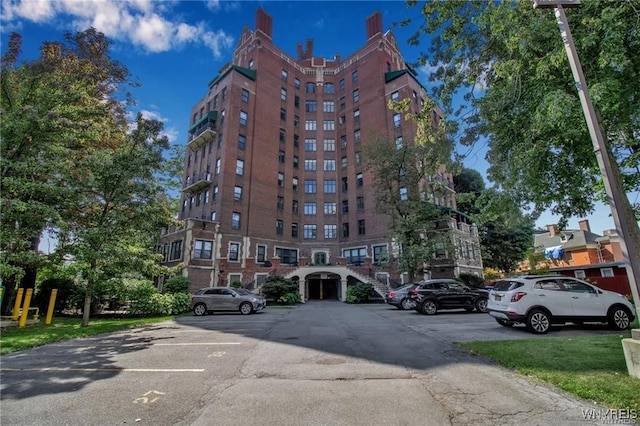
(519, 295)
(393, 293)
(413, 292)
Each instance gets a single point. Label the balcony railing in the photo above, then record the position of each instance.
(197, 182)
(203, 131)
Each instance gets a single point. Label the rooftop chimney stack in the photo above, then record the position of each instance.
(374, 24)
(264, 22)
(584, 225)
(553, 230)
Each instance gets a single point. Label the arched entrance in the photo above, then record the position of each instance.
(323, 286)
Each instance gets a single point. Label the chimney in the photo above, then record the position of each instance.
(553, 230)
(264, 22)
(374, 24)
(300, 52)
(309, 53)
(584, 225)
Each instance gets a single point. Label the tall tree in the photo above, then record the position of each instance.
(119, 208)
(468, 184)
(507, 62)
(400, 173)
(55, 111)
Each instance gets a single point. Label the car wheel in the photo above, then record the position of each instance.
(619, 318)
(538, 322)
(200, 309)
(429, 307)
(406, 304)
(246, 308)
(481, 305)
(504, 323)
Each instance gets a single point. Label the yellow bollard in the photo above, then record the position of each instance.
(52, 304)
(16, 306)
(25, 308)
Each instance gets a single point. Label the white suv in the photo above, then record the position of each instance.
(539, 301)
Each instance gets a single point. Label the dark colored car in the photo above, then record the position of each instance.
(212, 299)
(399, 297)
(431, 296)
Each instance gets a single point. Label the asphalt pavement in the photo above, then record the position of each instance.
(320, 363)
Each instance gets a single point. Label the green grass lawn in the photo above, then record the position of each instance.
(592, 367)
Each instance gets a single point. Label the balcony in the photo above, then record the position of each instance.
(203, 130)
(197, 182)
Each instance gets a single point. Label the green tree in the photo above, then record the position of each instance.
(55, 111)
(468, 184)
(508, 63)
(119, 207)
(400, 173)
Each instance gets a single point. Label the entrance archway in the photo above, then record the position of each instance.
(323, 286)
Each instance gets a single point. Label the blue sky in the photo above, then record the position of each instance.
(174, 48)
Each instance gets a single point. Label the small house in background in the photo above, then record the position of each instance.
(583, 254)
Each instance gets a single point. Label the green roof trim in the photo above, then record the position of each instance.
(247, 72)
(211, 115)
(392, 75)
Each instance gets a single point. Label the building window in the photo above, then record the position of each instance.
(237, 193)
(218, 163)
(202, 249)
(309, 232)
(215, 102)
(296, 140)
(356, 116)
(176, 250)
(354, 76)
(287, 256)
(310, 186)
(310, 106)
(243, 118)
(215, 193)
(341, 85)
(235, 220)
(261, 253)
(310, 165)
(224, 93)
(296, 161)
(380, 254)
(395, 96)
(234, 252)
(329, 165)
(330, 208)
(240, 167)
(283, 94)
(310, 125)
(294, 230)
(310, 145)
(359, 179)
(343, 141)
(329, 186)
(329, 125)
(357, 136)
(329, 88)
(606, 272)
(250, 64)
(280, 203)
(280, 179)
(310, 208)
(345, 206)
(329, 145)
(310, 87)
(399, 142)
(360, 203)
(356, 96)
(330, 232)
(279, 227)
(206, 196)
(397, 120)
(404, 195)
(361, 227)
(245, 96)
(296, 101)
(284, 74)
(357, 158)
(220, 140)
(295, 183)
(294, 206)
(213, 216)
(328, 106)
(282, 136)
(296, 121)
(242, 141)
(345, 184)
(281, 156)
(355, 256)
(343, 162)
(296, 83)
(283, 114)
(580, 274)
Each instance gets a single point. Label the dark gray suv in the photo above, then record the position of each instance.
(431, 296)
(212, 299)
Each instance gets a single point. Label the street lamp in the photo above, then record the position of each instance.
(621, 210)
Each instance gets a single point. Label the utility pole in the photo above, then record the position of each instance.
(623, 216)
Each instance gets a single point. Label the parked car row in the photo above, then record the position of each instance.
(537, 301)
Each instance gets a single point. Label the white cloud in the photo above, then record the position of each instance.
(150, 25)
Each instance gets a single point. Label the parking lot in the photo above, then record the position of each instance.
(318, 363)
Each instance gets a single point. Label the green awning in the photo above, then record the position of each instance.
(211, 115)
(247, 72)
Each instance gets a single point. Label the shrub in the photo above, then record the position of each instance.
(177, 284)
(276, 287)
(290, 298)
(236, 284)
(471, 280)
(181, 303)
(360, 292)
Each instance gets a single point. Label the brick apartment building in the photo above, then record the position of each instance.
(274, 182)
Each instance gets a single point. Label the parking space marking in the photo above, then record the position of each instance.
(118, 370)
